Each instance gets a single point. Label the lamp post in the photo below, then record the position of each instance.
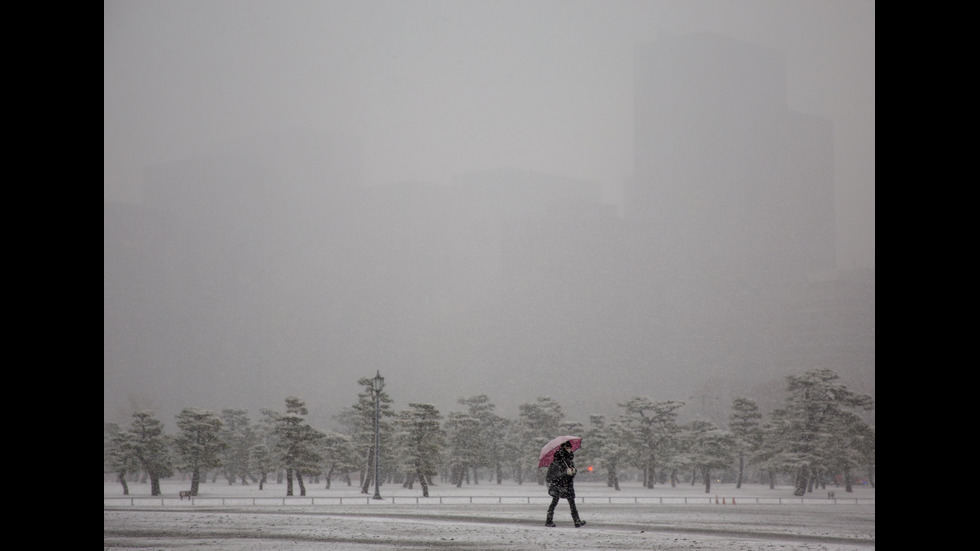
(377, 384)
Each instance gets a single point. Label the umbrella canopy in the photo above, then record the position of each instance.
(549, 449)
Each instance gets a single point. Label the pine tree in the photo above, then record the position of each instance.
(117, 455)
(240, 437)
(810, 424)
(358, 423)
(198, 444)
(491, 427)
(421, 439)
(605, 448)
(151, 447)
(296, 444)
(744, 423)
(851, 446)
(339, 456)
(537, 423)
(462, 436)
(262, 457)
(654, 428)
(706, 448)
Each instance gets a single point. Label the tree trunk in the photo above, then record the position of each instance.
(801, 482)
(289, 482)
(707, 480)
(262, 482)
(122, 480)
(195, 481)
(425, 485)
(302, 487)
(154, 484)
(369, 470)
(741, 469)
(847, 481)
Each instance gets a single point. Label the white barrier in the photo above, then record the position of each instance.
(206, 501)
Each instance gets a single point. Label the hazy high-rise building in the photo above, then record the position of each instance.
(728, 179)
(732, 197)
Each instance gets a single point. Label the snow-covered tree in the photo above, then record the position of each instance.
(117, 455)
(296, 444)
(420, 439)
(607, 444)
(653, 427)
(602, 442)
(358, 423)
(745, 425)
(238, 434)
(463, 445)
(866, 446)
(537, 423)
(151, 447)
(850, 447)
(198, 444)
(262, 458)
(767, 456)
(810, 424)
(339, 457)
(491, 427)
(706, 448)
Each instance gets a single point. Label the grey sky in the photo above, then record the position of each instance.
(436, 88)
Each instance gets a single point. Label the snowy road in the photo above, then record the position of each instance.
(454, 519)
(494, 528)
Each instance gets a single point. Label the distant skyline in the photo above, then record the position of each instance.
(432, 89)
(337, 188)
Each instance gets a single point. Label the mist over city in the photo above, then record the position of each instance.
(584, 200)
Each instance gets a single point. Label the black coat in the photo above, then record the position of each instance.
(560, 483)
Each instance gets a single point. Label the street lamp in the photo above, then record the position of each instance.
(377, 384)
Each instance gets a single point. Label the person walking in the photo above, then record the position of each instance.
(561, 483)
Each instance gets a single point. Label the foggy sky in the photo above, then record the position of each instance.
(433, 89)
(430, 89)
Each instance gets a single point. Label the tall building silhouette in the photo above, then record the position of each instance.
(732, 197)
(727, 177)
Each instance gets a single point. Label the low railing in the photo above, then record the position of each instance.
(205, 501)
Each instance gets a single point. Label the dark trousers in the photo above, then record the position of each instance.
(571, 505)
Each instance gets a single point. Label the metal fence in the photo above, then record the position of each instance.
(206, 501)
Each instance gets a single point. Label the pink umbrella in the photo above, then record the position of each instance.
(549, 449)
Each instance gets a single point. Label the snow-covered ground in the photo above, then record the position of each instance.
(487, 517)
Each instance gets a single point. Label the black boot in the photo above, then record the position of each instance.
(548, 522)
(579, 522)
